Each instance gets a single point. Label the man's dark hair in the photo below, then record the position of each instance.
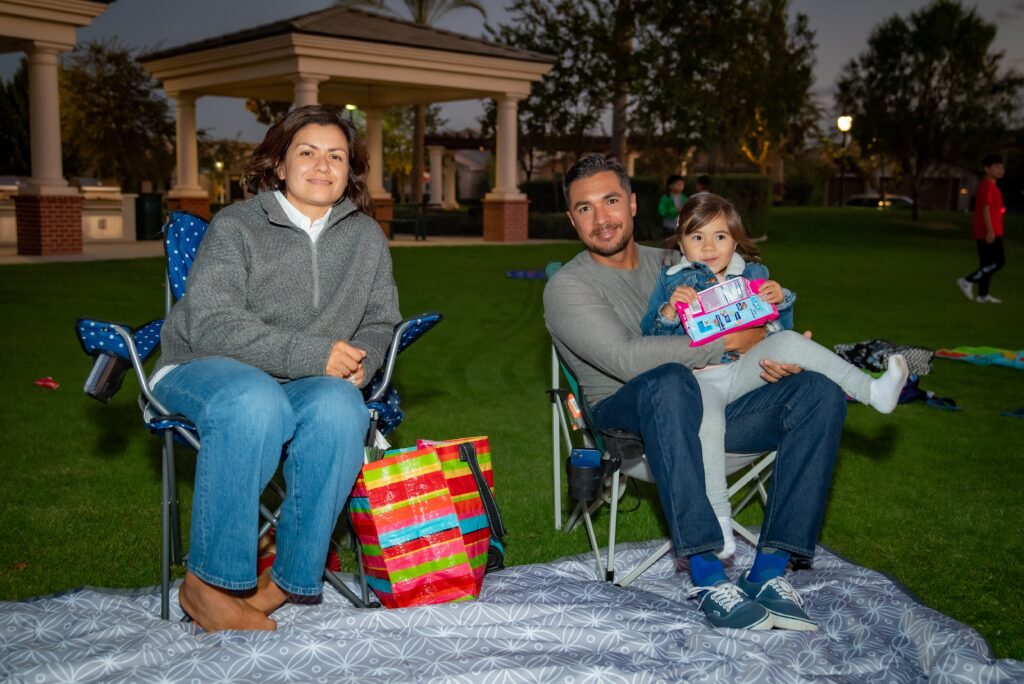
(591, 165)
(674, 178)
(990, 159)
(705, 181)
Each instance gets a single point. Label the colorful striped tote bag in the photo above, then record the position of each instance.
(409, 532)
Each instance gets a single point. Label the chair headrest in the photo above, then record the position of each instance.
(182, 234)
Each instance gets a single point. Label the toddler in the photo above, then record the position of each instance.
(715, 247)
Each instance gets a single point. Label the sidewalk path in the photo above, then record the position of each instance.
(155, 248)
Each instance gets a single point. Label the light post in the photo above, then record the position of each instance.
(843, 123)
(219, 166)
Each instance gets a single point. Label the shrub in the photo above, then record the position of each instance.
(751, 194)
(550, 226)
(545, 195)
(806, 178)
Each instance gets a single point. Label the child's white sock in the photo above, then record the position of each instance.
(885, 391)
(729, 548)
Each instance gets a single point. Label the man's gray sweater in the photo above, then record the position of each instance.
(593, 313)
(262, 292)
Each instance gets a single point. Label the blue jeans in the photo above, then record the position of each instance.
(801, 416)
(245, 420)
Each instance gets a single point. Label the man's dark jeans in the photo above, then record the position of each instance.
(801, 416)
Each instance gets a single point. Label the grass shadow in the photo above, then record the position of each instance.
(879, 446)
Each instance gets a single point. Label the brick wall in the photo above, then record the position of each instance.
(506, 221)
(200, 206)
(383, 212)
(49, 224)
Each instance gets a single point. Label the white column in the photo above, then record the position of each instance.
(44, 114)
(436, 174)
(307, 89)
(506, 149)
(187, 148)
(450, 199)
(375, 149)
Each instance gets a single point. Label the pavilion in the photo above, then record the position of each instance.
(49, 211)
(346, 56)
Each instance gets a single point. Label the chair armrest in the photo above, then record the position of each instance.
(406, 332)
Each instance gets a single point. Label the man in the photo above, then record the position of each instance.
(643, 385)
(703, 183)
(988, 232)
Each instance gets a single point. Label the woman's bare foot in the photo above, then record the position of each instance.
(215, 609)
(268, 597)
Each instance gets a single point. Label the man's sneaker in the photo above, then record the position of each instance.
(726, 606)
(988, 299)
(781, 600)
(967, 287)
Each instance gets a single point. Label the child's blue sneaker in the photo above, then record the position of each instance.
(781, 600)
(725, 605)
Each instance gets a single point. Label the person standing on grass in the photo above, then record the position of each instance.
(592, 308)
(290, 309)
(988, 232)
(671, 202)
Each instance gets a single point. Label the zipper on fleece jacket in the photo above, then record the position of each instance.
(316, 274)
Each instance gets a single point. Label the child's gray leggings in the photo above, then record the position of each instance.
(720, 385)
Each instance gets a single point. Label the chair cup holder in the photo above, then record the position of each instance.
(106, 376)
(584, 474)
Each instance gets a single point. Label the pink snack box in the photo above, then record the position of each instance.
(723, 309)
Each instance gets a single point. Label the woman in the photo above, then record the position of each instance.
(290, 308)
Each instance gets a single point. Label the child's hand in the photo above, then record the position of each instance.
(770, 292)
(680, 294)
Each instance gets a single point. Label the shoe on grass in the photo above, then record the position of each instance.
(967, 287)
(781, 600)
(725, 605)
(988, 299)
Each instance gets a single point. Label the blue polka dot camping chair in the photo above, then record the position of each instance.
(117, 348)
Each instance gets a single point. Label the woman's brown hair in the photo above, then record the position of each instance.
(261, 171)
(703, 208)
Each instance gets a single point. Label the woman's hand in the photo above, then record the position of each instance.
(344, 360)
(770, 292)
(683, 294)
(357, 377)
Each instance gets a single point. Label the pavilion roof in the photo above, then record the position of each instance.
(356, 24)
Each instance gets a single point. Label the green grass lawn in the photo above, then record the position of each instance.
(929, 497)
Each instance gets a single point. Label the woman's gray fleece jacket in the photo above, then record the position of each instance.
(262, 292)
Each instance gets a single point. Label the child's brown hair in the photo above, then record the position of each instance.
(701, 209)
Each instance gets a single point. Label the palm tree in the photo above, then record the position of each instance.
(425, 13)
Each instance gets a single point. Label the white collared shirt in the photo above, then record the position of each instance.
(314, 228)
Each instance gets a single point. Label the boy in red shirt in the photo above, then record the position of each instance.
(988, 232)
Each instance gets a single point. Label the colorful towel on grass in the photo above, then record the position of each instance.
(985, 356)
(533, 623)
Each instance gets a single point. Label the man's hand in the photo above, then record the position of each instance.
(770, 292)
(344, 360)
(744, 340)
(773, 371)
(683, 294)
(990, 236)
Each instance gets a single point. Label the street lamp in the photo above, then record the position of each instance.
(843, 123)
(219, 166)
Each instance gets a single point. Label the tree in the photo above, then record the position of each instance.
(114, 121)
(566, 105)
(15, 155)
(425, 13)
(929, 90)
(399, 124)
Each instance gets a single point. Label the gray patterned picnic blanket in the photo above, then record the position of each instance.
(551, 622)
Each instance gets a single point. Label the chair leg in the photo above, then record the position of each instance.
(609, 573)
(165, 531)
(174, 514)
(648, 562)
(556, 447)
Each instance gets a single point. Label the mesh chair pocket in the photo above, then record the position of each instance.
(106, 376)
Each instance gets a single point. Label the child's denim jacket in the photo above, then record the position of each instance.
(699, 277)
